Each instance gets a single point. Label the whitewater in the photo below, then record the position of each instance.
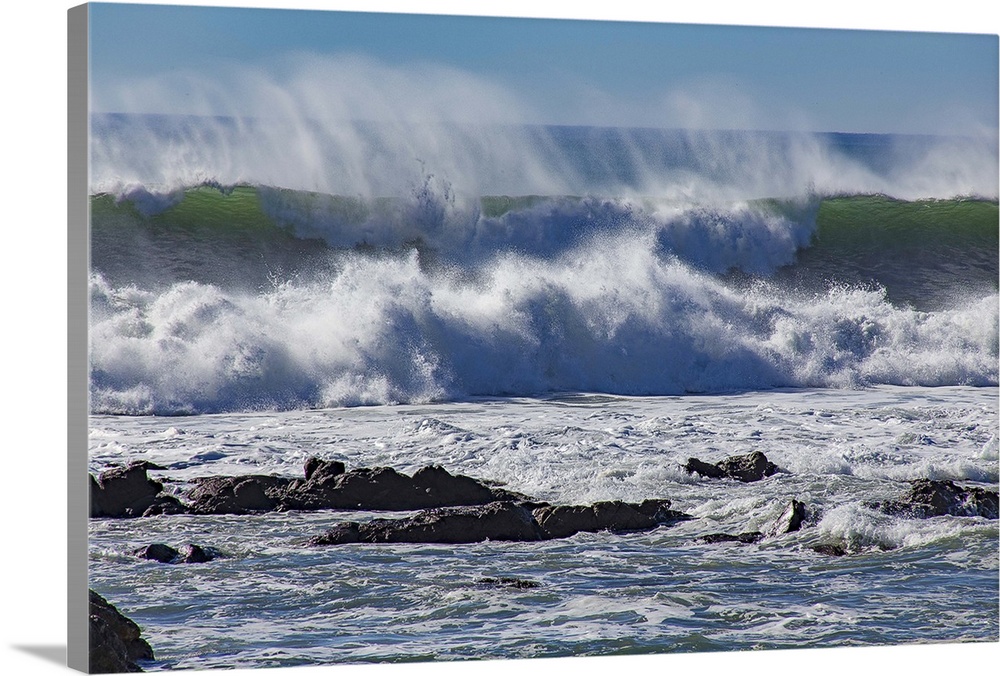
(403, 278)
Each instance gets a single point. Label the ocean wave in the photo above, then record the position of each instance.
(611, 316)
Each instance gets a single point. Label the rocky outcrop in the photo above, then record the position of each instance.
(560, 521)
(327, 485)
(928, 498)
(497, 521)
(747, 468)
(128, 491)
(246, 494)
(116, 643)
(504, 521)
(123, 492)
(189, 553)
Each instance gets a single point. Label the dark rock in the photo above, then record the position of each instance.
(238, 494)
(158, 552)
(323, 469)
(750, 467)
(115, 640)
(503, 520)
(511, 582)
(451, 490)
(830, 549)
(346, 533)
(189, 553)
(383, 488)
(745, 538)
(928, 498)
(703, 468)
(498, 521)
(165, 504)
(560, 521)
(195, 554)
(789, 521)
(122, 492)
(377, 488)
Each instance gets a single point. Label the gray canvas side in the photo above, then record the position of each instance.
(78, 222)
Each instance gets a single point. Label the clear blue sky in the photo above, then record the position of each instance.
(595, 72)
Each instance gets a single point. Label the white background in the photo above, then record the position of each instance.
(33, 330)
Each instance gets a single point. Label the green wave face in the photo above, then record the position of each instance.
(922, 252)
(881, 222)
(928, 254)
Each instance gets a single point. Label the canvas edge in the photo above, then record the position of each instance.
(78, 262)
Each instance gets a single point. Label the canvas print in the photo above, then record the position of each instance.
(423, 338)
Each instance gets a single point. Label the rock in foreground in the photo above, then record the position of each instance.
(115, 641)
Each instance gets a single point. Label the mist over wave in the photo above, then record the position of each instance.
(356, 127)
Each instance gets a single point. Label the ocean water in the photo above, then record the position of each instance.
(572, 312)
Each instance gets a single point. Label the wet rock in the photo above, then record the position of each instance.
(189, 553)
(928, 498)
(789, 521)
(830, 549)
(503, 520)
(195, 554)
(123, 492)
(321, 470)
(694, 465)
(509, 582)
(157, 552)
(238, 494)
(385, 489)
(498, 521)
(165, 504)
(747, 468)
(116, 643)
(745, 538)
(560, 521)
(451, 490)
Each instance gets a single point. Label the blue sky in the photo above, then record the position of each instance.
(590, 72)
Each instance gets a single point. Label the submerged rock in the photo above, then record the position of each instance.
(509, 582)
(747, 468)
(830, 549)
(115, 641)
(790, 520)
(748, 538)
(157, 552)
(929, 498)
(189, 553)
